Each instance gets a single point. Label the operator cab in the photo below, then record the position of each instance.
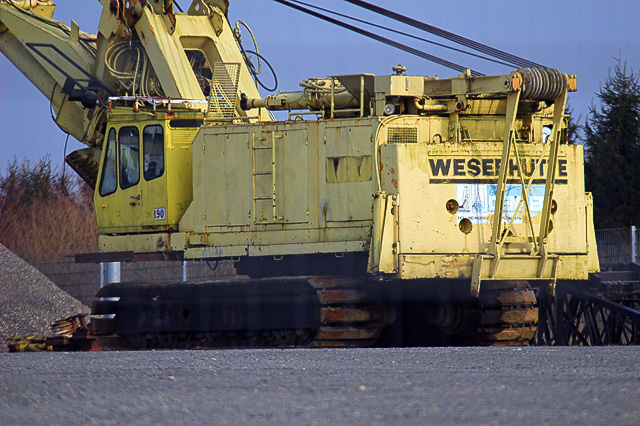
(145, 184)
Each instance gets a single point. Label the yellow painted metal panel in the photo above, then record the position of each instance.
(428, 176)
(227, 177)
(348, 170)
(359, 168)
(292, 173)
(336, 193)
(594, 263)
(138, 243)
(170, 63)
(459, 266)
(388, 262)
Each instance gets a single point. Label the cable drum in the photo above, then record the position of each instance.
(542, 83)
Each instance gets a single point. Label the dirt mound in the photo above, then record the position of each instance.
(29, 301)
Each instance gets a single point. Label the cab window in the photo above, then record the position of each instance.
(153, 149)
(108, 181)
(129, 141)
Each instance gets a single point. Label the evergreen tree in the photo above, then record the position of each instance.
(612, 151)
(573, 126)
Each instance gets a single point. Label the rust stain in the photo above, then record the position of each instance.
(346, 315)
(450, 263)
(339, 296)
(346, 333)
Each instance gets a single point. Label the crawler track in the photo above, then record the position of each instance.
(310, 311)
(273, 312)
(509, 313)
(351, 313)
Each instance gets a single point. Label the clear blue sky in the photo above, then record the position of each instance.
(578, 37)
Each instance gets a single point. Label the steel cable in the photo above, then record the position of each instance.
(381, 39)
(435, 43)
(496, 53)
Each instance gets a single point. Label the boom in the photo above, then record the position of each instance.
(143, 50)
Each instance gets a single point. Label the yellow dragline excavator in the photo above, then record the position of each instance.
(391, 209)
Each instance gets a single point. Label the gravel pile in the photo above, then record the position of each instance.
(29, 301)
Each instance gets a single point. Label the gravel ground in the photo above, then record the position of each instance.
(416, 386)
(30, 301)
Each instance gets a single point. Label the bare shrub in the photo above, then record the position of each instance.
(40, 218)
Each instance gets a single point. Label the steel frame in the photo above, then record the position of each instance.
(587, 317)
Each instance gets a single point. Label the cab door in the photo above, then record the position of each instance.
(130, 191)
(118, 198)
(154, 178)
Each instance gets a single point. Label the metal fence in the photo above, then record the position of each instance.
(618, 246)
(172, 271)
(82, 280)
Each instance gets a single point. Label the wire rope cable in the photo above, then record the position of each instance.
(516, 60)
(381, 39)
(415, 37)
